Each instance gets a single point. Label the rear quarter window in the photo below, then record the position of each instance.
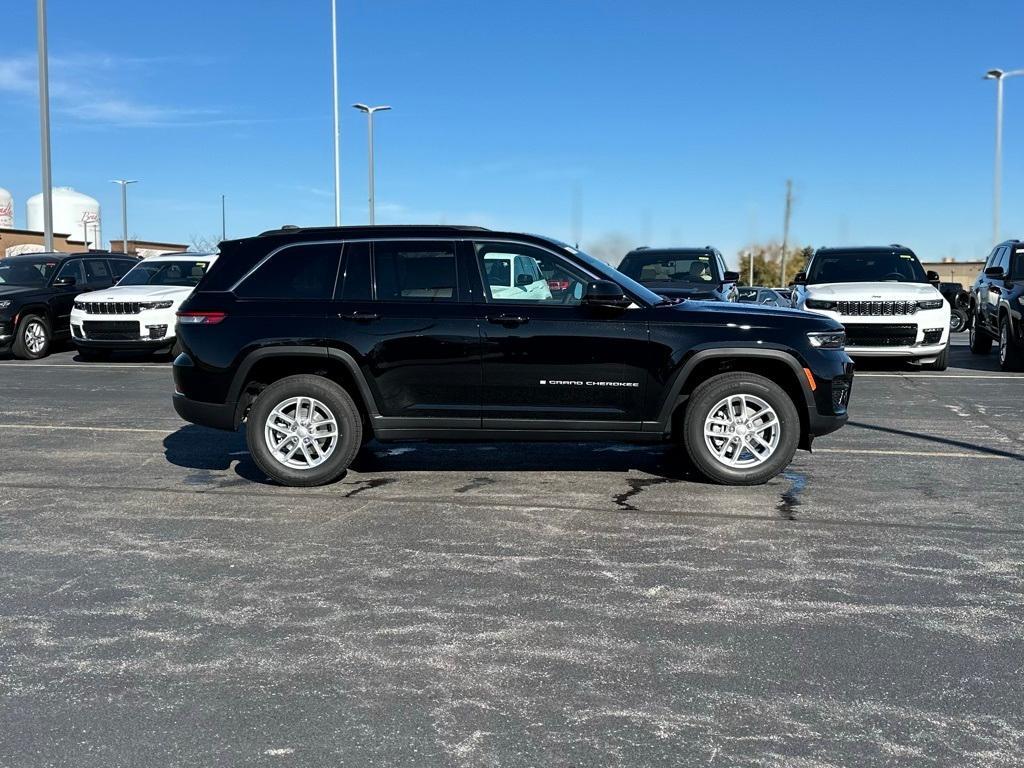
(296, 272)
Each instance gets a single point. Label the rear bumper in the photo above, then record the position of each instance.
(215, 415)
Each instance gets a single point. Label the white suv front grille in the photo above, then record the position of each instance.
(876, 308)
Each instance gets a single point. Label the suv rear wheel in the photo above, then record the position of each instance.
(32, 339)
(304, 430)
(1011, 357)
(981, 342)
(740, 429)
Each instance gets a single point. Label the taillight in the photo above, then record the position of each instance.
(200, 318)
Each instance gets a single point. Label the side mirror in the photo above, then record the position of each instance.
(800, 278)
(68, 280)
(523, 280)
(933, 277)
(605, 293)
(730, 277)
(996, 273)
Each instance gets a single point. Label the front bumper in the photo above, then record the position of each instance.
(149, 329)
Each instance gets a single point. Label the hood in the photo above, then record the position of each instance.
(873, 291)
(12, 291)
(138, 293)
(682, 290)
(725, 312)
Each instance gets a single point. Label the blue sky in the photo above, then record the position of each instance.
(678, 122)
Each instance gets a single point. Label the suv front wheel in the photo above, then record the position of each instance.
(304, 430)
(740, 429)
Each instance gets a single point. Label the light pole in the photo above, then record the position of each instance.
(44, 124)
(124, 209)
(369, 123)
(997, 182)
(337, 116)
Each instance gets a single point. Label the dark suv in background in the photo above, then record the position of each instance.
(320, 339)
(38, 290)
(682, 273)
(996, 305)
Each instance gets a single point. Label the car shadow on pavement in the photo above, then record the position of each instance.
(974, 447)
(208, 451)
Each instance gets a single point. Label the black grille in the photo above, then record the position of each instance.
(876, 308)
(111, 331)
(111, 307)
(880, 335)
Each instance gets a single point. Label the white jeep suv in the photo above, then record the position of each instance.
(139, 312)
(883, 296)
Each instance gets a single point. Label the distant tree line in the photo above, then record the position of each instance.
(767, 258)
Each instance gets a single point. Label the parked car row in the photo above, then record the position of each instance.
(997, 305)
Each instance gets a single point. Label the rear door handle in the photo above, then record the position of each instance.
(359, 316)
(507, 319)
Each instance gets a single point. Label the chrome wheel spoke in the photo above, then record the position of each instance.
(301, 432)
(742, 431)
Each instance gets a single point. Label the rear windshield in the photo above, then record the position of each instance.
(693, 269)
(866, 267)
(184, 273)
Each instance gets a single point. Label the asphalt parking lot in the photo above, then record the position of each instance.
(497, 605)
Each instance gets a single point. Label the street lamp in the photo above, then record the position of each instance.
(337, 116)
(369, 120)
(999, 75)
(124, 209)
(44, 123)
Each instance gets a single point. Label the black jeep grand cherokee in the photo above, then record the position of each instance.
(321, 339)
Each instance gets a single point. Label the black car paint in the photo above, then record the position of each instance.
(54, 302)
(994, 297)
(472, 369)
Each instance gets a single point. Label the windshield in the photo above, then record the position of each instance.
(26, 272)
(183, 273)
(631, 285)
(690, 268)
(865, 267)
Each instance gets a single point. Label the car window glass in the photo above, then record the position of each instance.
(522, 273)
(1002, 258)
(415, 271)
(120, 267)
(1017, 264)
(356, 283)
(670, 267)
(96, 271)
(302, 271)
(73, 269)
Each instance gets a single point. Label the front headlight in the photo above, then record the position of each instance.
(5, 303)
(827, 339)
(156, 304)
(819, 304)
(931, 304)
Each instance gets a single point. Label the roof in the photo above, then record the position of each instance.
(894, 248)
(373, 231)
(70, 254)
(682, 249)
(178, 255)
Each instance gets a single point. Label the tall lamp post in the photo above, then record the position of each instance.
(337, 116)
(44, 124)
(369, 121)
(997, 183)
(124, 209)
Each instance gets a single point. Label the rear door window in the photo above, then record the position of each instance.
(73, 269)
(356, 281)
(415, 271)
(97, 272)
(302, 271)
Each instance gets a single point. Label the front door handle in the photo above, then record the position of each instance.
(359, 316)
(507, 319)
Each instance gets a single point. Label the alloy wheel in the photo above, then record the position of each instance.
(35, 337)
(1004, 342)
(742, 431)
(301, 432)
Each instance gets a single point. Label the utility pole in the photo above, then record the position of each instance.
(44, 124)
(577, 214)
(223, 219)
(785, 229)
(750, 256)
(337, 115)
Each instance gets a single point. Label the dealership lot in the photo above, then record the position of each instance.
(516, 605)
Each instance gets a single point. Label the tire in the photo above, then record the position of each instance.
(980, 342)
(93, 355)
(707, 400)
(32, 339)
(291, 398)
(957, 320)
(1011, 356)
(941, 363)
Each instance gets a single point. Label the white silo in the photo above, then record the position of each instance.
(6, 209)
(74, 214)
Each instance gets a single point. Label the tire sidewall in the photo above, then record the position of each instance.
(707, 395)
(342, 407)
(21, 349)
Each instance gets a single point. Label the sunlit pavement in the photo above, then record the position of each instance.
(509, 605)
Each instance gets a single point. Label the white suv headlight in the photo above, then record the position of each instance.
(156, 304)
(931, 304)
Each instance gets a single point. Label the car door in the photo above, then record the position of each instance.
(63, 298)
(550, 362)
(399, 311)
(993, 289)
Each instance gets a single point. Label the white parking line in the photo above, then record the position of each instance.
(62, 427)
(937, 376)
(940, 454)
(85, 366)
